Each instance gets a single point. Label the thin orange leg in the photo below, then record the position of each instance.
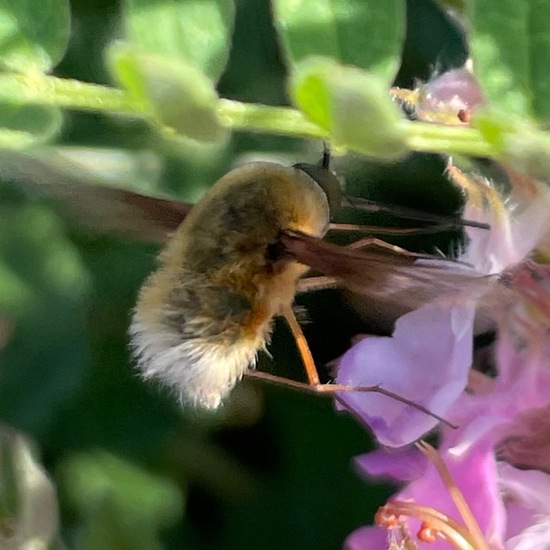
(303, 347)
(314, 383)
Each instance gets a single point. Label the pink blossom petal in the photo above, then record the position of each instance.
(528, 505)
(534, 537)
(514, 232)
(426, 360)
(457, 88)
(373, 538)
(479, 428)
(523, 370)
(476, 476)
(498, 416)
(396, 464)
(529, 487)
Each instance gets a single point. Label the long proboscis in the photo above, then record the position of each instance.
(412, 214)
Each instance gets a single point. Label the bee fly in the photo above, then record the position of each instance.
(230, 264)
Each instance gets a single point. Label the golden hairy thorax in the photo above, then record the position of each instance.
(227, 236)
(221, 278)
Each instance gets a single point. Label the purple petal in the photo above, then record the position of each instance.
(373, 538)
(457, 87)
(426, 360)
(531, 488)
(396, 464)
(528, 507)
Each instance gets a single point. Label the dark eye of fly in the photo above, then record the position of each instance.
(327, 181)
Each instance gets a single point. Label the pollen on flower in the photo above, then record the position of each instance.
(385, 517)
(399, 536)
(434, 525)
(427, 533)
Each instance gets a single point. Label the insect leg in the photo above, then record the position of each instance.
(303, 347)
(314, 384)
(326, 389)
(316, 283)
(373, 241)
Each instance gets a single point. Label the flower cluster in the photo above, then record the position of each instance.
(498, 459)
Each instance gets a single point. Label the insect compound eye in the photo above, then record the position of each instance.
(327, 181)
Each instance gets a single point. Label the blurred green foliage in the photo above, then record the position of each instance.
(133, 471)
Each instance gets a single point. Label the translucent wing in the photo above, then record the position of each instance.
(90, 201)
(394, 276)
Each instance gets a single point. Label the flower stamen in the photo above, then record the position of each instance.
(399, 536)
(427, 533)
(439, 524)
(456, 494)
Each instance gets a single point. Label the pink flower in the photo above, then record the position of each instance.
(429, 356)
(525, 494)
(449, 97)
(426, 360)
(511, 507)
(503, 418)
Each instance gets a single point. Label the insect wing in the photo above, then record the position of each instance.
(383, 273)
(90, 202)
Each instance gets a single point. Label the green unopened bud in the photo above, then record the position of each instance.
(352, 105)
(176, 94)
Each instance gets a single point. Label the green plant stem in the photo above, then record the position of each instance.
(271, 120)
(429, 138)
(41, 89)
(453, 140)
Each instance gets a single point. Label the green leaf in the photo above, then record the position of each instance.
(33, 35)
(366, 33)
(23, 125)
(510, 46)
(194, 31)
(354, 106)
(175, 93)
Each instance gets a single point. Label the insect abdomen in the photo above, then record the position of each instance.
(203, 315)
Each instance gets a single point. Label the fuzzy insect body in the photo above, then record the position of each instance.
(202, 316)
(232, 263)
